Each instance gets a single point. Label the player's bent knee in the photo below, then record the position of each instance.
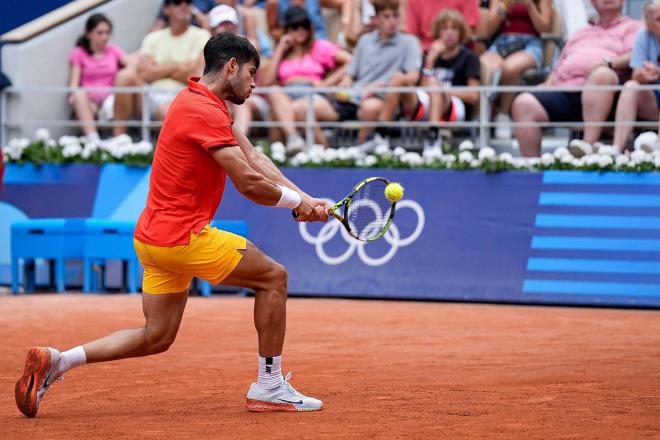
(158, 341)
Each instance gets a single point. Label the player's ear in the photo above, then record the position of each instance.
(233, 66)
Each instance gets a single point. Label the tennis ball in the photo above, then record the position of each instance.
(394, 192)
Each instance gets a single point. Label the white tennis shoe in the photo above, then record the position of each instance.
(282, 398)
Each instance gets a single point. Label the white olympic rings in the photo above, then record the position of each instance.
(393, 237)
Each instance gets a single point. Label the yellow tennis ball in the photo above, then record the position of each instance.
(394, 192)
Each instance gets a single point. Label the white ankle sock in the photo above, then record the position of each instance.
(72, 358)
(270, 372)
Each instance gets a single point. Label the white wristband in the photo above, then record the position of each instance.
(289, 199)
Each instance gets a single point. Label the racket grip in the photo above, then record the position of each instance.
(294, 213)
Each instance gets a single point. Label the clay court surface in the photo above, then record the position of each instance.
(383, 369)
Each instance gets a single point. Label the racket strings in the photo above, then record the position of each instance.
(369, 211)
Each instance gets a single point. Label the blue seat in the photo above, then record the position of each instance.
(238, 227)
(52, 239)
(109, 240)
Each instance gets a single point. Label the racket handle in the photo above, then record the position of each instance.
(294, 213)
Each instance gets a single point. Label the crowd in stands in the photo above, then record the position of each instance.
(364, 46)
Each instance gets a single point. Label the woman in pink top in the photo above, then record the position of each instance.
(94, 63)
(301, 61)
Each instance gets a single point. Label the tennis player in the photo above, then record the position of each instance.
(196, 149)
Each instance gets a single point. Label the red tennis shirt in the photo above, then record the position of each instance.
(186, 182)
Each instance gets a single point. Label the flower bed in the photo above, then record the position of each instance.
(71, 149)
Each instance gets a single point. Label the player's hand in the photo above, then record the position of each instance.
(305, 211)
(321, 210)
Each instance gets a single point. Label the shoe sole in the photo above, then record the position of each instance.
(37, 366)
(261, 406)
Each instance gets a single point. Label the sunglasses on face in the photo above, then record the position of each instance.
(179, 2)
(305, 24)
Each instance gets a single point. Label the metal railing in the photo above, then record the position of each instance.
(483, 124)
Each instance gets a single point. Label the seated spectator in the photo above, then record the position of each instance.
(644, 62)
(248, 27)
(382, 57)
(276, 10)
(575, 14)
(224, 18)
(167, 58)
(518, 25)
(449, 64)
(301, 61)
(596, 55)
(94, 62)
(199, 18)
(420, 13)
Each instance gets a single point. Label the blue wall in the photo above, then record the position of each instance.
(24, 11)
(553, 237)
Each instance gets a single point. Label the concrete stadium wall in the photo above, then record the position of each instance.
(558, 237)
(43, 61)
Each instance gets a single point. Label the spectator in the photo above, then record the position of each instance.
(94, 62)
(276, 10)
(382, 57)
(420, 14)
(248, 27)
(596, 55)
(301, 61)
(644, 61)
(361, 19)
(167, 58)
(517, 47)
(449, 64)
(575, 14)
(224, 18)
(199, 18)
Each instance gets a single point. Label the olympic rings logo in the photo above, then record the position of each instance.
(393, 237)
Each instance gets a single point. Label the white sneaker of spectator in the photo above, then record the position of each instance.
(503, 127)
(579, 148)
(295, 144)
(647, 142)
(370, 145)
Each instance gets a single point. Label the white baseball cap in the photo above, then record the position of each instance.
(221, 14)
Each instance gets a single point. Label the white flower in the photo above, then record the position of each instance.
(143, 147)
(50, 143)
(399, 151)
(432, 152)
(382, 149)
(591, 159)
(277, 146)
(621, 160)
(448, 158)
(547, 159)
(518, 162)
(608, 150)
(605, 160)
(42, 134)
(354, 153)
(656, 162)
(566, 159)
(329, 154)
(505, 157)
(577, 162)
(279, 156)
(300, 159)
(486, 153)
(561, 151)
(72, 150)
(475, 163)
(342, 154)
(412, 158)
(532, 162)
(370, 160)
(465, 156)
(65, 140)
(466, 145)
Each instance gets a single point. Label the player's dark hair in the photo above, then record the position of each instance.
(93, 21)
(225, 46)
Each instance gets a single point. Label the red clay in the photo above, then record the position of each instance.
(383, 370)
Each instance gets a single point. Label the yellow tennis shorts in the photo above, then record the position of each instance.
(211, 255)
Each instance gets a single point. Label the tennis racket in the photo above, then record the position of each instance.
(366, 213)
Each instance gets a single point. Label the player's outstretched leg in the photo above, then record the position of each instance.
(268, 279)
(44, 365)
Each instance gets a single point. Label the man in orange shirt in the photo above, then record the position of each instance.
(196, 149)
